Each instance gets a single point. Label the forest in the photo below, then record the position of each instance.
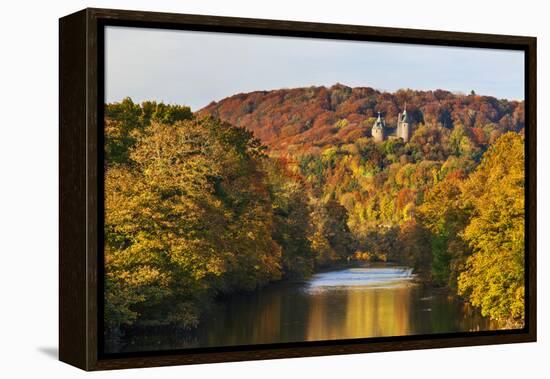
(276, 185)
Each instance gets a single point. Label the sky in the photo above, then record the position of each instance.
(196, 68)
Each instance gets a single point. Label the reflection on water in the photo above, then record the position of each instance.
(351, 303)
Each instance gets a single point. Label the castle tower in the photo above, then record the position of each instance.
(378, 132)
(404, 130)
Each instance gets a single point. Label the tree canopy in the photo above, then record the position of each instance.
(197, 206)
(194, 208)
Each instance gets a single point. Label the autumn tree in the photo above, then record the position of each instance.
(332, 240)
(494, 275)
(443, 215)
(191, 216)
(292, 227)
(125, 121)
(197, 207)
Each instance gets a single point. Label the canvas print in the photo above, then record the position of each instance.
(271, 190)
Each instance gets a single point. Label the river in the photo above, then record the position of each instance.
(368, 301)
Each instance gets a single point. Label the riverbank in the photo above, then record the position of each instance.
(360, 301)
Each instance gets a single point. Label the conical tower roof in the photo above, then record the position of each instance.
(405, 117)
(379, 123)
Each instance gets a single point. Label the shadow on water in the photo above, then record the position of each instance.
(361, 302)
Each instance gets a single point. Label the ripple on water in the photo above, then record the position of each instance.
(356, 278)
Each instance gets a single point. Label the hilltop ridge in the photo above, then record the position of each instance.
(310, 117)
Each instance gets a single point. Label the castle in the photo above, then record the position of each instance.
(403, 130)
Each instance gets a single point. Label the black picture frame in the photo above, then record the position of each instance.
(81, 94)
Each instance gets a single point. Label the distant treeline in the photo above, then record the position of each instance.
(304, 120)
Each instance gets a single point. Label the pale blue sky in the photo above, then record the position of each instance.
(195, 68)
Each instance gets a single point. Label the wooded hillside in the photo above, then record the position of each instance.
(299, 119)
(277, 184)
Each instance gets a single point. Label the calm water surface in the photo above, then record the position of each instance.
(369, 301)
